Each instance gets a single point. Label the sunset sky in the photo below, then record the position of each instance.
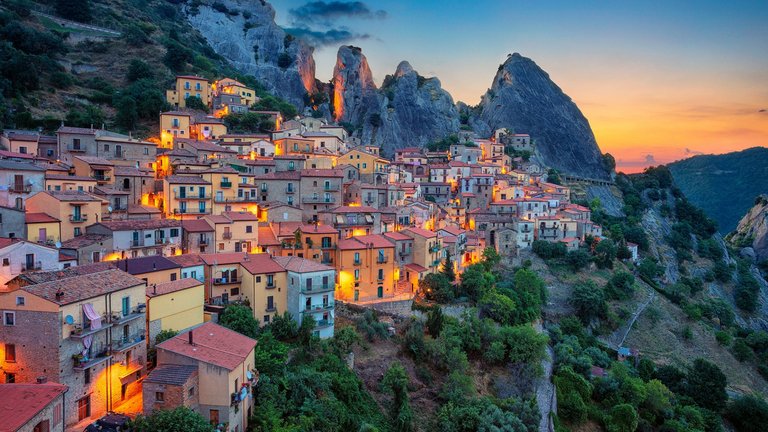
(658, 80)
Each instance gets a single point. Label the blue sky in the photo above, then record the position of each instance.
(654, 78)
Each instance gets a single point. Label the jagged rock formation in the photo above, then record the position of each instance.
(354, 91)
(752, 232)
(246, 35)
(408, 110)
(523, 98)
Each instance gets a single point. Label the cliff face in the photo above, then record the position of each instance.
(246, 35)
(753, 230)
(413, 111)
(523, 98)
(354, 91)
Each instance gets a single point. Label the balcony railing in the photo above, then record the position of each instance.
(434, 249)
(382, 260)
(101, 178)
(318, 288)
(79, 332)
(331, 188)
(324, 323)
(119, 154)
(328, 200)
(203, 241)
(290, 190)
(357, 262)
(36, 265)
(219, 199)
(192, 211)
(82, 363)
(137, 243)
(78, 218)
(118, 318)
(318, 307)
(126, 343)
(198, 196)
(271, 308)
(327, 261)
(227, 280)
(75, 148)
(271, 286)
(226, 184)
(16, 188)
(161, 240)
(226, 235)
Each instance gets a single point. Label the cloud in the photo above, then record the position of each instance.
(649, 159)
(320, 38)
(763, 110)
(324, 13)
(689, 152)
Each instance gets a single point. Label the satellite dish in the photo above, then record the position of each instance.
(109, 209)
(69, 320)
(58, 245)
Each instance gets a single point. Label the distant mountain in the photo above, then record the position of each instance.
(523, 98)
(724, 186)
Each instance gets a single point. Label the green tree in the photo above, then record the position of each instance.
(490, 258)
(706, 385)
(621, 286)
(437, 287)
(138, 69)
(164, 335)
(748, 413)
(622, 418)
(605, 253)
(181, 419)
(283, 326)
(577, 259)
(395, 382)
(271, 355)
(498, 307)
(127, 115)
(240, 319)
(176, 56)
(572, 393)
(493, 419)
(589, 301)
(344, 339)
(524, 344)
(457, 387)
(529, 294)
(476, 281)
(194, 102)
(435, 321)
(553, 176)
(447, 268)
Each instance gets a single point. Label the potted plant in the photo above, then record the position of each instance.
(78, 358)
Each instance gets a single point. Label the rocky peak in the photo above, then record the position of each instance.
(353, 84)
(752, 232)
(523, 98)
(403, 68)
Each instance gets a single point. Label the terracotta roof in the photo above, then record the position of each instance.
(142, 209)
(69, 177)
(240, 216)
(127, 171)
(453, 230)
(136, 266)
(420, 232)
(18, 166)
(301, 265)
(261, 263)
(177, 113)
(396, 235)
(5, 241)
(171, 374)
(20, 403)
(172, 286)
(361, 242)
(94, 160)
(39, 218)
(196, 225)
(76, 130)
(84, 287)
(218, 219)
(72, 196)
(54, 275)
(221, 170)
(203, 146)
(84, 240)
(267, 237)
(357, 209)
(279, 175)
(317, 229)
(223, 258)
(415, 267)
(186, 179)
(128, 225)
(187, 260)
(212, 344)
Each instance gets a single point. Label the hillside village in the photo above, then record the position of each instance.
(125, 238)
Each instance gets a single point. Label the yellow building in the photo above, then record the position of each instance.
(372, 167)
(189, 86)
(427, 248)
(174, 124)
(64, 182)
(207, 129)
(75, 210)
(186, 196)
(152, 270)
(317, 243)
(97, 168)
(366, 268)
(294, 145)
(229, 86)
(176, 305)
(42, 228)
(235, 232)
(265, 286)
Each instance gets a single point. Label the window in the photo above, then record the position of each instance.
(159, 396)
(20, 301)
(381, 274)
(10, 352)
(78, 232)
(83, 408)
(357, 274)
(174, 232)
(6, 262)
(10, 378)
(258, 279)
(249, 229)
(9, 318)
(146, 150)
(270, 280)
(266, 318)
(87, 376)
(106, 147)
(357, 257)
(213, 416)
(173, 276)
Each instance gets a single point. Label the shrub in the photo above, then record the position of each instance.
(748, 413)
(61, 80)
(589, 301)
(194, 102)
(547, 250)
(622, 418)
(75, 10)
(138, 69)
(723, 338)
(495, 353)
(497, 307)
(621, 286)
(706, 385)
(577, 259)
(284, 60)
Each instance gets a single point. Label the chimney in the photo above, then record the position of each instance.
(154, 288)
(154, 266)
(191, 341)
(42, 380)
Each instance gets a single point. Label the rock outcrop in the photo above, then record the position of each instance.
(523, 98)
(752, 231)
(354, 91)
(244, 32)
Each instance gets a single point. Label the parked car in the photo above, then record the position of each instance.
(110, 423)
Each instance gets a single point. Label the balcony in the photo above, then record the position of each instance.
(180, 196)
(203, 241)
(137, 243)
(271, 308)
(331, 188)
(75, 148)
(124, 344)
(227, 280)
(404, 254)
(435, 263)
(119, 154)
(435, 248)
(101, 178)
(357, 262)
(318, 307)
(270, 286)
(80, 333)
(20, 188)
(36, 265)
(197, 211)
(327, 261)
(324, 323)
(290, 190)
(81, 363)
(161, 240)
(120, 319)
(226, 184)
(382, 260)
(327, 246)
(78, 218)
(238, 199)
(319, 200)
(318, 289)
(227, 235)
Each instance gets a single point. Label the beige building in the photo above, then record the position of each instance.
(75, 210)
